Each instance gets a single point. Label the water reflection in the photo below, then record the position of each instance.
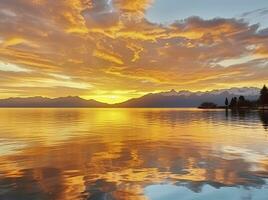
(264, 119)
(140, 154)
(249, 114)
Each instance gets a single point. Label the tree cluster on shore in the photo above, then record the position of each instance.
(241, 102)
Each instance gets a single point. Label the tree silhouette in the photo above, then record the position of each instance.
(264, 96)
(241, 101)
(242, 98)
(226, 102)
(233, 103)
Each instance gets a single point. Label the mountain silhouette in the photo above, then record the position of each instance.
(189, 99)
(168, 99)
(64, 102)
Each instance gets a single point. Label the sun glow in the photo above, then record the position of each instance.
(110, 99)
(113, 97)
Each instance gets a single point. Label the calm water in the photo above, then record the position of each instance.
(133, 154)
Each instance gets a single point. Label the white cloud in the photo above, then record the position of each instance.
(8, 67)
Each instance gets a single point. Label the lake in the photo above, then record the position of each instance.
(133, 154)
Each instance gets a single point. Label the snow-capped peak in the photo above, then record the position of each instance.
(175, 93)
(245, 91)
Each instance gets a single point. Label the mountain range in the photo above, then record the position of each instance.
(64, 102)
(152, 100)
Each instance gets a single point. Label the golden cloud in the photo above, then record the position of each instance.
(105, 45)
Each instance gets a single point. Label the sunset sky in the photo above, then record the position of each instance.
(114, 50)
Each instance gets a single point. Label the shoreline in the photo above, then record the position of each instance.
(233, 109)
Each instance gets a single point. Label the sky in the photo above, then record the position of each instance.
(114, 50)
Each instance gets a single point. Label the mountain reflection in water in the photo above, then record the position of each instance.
(119, 154)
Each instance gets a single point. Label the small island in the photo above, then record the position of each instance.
(241, 102)
(208, 105)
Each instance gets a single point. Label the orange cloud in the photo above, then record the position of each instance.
(107, 45)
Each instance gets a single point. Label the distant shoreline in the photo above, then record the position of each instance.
(245, 108)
